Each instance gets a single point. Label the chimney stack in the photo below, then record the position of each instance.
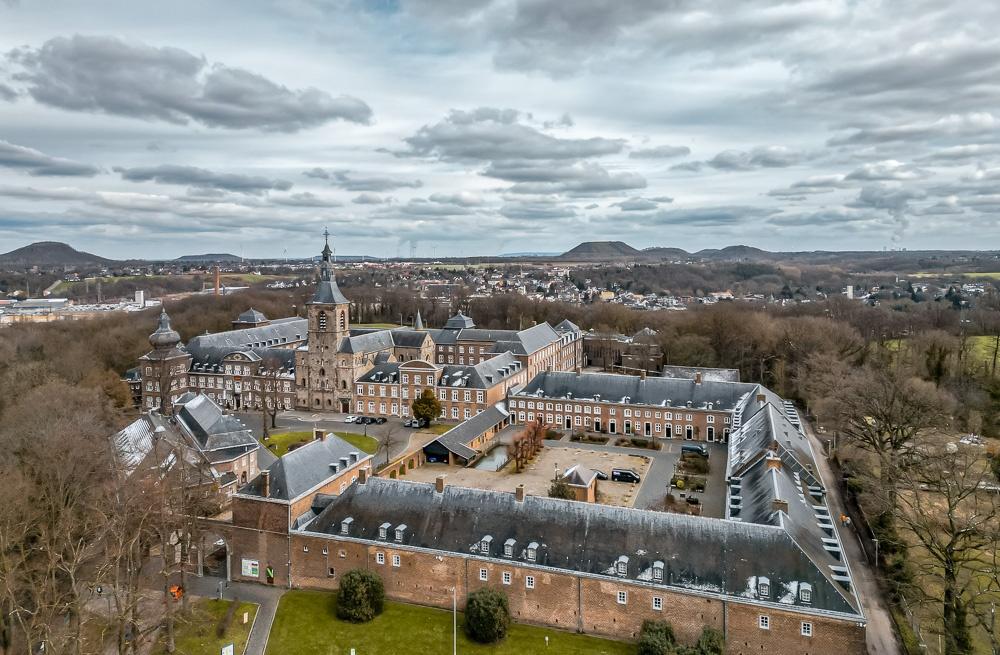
(318, 434)
(354, 457)
(697, 377)
(642, 374)
(362, 476)
(265, 483)
(773, 461)
(761, 398)
(519, 493)
(439, 484)
(578, 371)
(779, 505)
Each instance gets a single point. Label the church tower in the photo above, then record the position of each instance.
(329, 317)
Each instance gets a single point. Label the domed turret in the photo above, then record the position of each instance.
(165, 336)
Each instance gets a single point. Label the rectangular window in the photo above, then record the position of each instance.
(483, 574)
(622, 597)
(506, 577)
(764, 622)
(380, 558)
(395, 561)
(807, 629)
(529, 581)
(331, 572)
(657, 603)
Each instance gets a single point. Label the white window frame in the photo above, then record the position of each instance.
(483, 575)
(764, 622)
(658, 603)
(396, 561)
(806, 629)
(623, 598)
(506, 577)
(529, 582)
(380, 558)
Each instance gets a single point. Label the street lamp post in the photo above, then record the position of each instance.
(454, 620)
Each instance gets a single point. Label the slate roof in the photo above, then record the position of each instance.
(701, 555)
(367, 342)
(295, 473)
(210, 426)
(579, 476)
(208, 359)
(707, 374)
(519, 342)
(483, 375)
(458, 438)
(328, 293)
(661, 392)
(566, 325)
(459, 321)
(251, 316)
(282, 331)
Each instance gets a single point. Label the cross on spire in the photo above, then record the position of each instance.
(326, 248)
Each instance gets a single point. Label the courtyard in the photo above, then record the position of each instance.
(537, 476)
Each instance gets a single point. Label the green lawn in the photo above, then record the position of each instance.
(195, 634)
(439, 428)
(279, 442)
(306, 623)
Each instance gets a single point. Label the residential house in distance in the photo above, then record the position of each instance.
(623, 354)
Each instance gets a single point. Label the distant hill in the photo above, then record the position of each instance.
(209, 257)
(601, 251)
(666, 253)
(50, 254)
(735, 253)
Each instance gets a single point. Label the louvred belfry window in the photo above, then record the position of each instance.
(321, 321)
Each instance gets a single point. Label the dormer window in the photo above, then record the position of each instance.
(621, 566)
(657, 571)
(805, 592)
(383, 531)
(763, 587)
(345, 525)
(508, 548)
(532, 551)
(400, 531)
(484, 545)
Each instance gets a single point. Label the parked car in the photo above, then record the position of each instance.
(350, 418)
(380, 420)
(696, 448)
(625, 475)
(601, 475)
(411, 423)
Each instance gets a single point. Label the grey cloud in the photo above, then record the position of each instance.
(954, 125)
(564, 121)
(887, 170)
(38, 163)
(892, 198)
(761, 157)
(350, 181)
(421, 207)
(305, 199)
(7, 94)
(537, 210)
(636, 204)
(463, 199)
(837, 216)
(202, 179)
(711, 216)
(961, 154)
(112, 76)
(688, 166)
(488, 134)
(371, 199)
(949, 206)
(579, 179)
(660, 152)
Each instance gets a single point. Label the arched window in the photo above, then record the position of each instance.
(343, 320)
(321, 321)
(343, 384)
(243, 478)
(322, 372)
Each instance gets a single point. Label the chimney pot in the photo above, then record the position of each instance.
(697, 377)
(317, 434)
(439, 484)
(354, 457)
(761, 398)
(779, 505)
(344, 461)
(642, 374)
(519, 493)
(362, 476)
(265, 483)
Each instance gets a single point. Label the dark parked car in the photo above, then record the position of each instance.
(380, 420)
(601, 475)
(696, 448)
(625, 475)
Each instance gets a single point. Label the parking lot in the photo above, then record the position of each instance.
(537, 477)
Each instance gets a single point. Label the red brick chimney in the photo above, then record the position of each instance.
(362, 476)
(519, 493)
(439, 484)
(697, 377)
(265, 483)
(779, 505)
(318, 434)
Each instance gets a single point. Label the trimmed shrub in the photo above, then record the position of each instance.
(361, 596)
(559, 489)
(656, 638)
(487, 615)
(711, 642)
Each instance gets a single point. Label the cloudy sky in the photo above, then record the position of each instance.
(466, 127)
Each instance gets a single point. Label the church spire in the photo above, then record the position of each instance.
(326, 248)
(327, 291)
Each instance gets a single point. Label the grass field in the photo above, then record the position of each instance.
(980, 354)
(306, 623)
(280, 441)
(439, 428)
(195, 634)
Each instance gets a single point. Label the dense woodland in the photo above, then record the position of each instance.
(883, 378)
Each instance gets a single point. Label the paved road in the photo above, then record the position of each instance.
(881, 634)
(266, 597)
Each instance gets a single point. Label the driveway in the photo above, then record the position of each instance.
(265, 596)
